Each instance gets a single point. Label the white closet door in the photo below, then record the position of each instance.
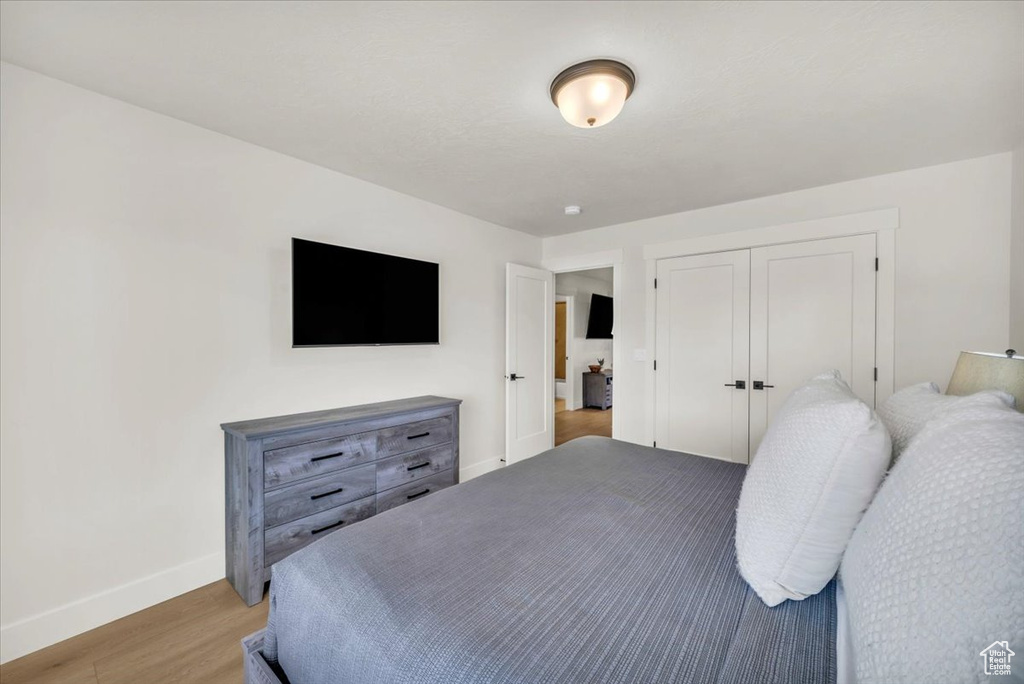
(702, 347)
(812, 308)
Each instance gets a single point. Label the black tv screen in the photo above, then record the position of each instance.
(599, 325)
(343, 296)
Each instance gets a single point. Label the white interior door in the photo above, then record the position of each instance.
(529, 362)
(703, 337)
(812, 308)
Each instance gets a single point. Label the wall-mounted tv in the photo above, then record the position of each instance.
(343, 296)
(599, 325)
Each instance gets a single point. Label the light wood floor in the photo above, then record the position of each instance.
(573, 424)
(193, 638)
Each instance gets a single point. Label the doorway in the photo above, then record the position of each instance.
(584, 375)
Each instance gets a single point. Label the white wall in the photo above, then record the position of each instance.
(560, 391)
(145, 300)
(584, 352)
(1017, 253)
(952, 272)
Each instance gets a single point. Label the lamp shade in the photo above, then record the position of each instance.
(592, 93)
(977, 371)
(592, 100)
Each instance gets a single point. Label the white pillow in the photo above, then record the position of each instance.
(907, 411)
(815, 472)
(934, 573)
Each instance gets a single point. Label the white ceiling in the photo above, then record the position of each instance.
(448, 101)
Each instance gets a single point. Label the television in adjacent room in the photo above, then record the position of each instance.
(599, 325)
(350, 297)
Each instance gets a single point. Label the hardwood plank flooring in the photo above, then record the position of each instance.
(192, 638)
(572, 424)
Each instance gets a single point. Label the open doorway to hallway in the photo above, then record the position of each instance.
(583, 354)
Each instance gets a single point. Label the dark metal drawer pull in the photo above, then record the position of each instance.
(320, 496)
(422, 434)
(329, 527)
(418, 494)
(417, 467)
(324, 458)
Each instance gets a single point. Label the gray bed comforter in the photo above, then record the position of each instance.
(597, 561)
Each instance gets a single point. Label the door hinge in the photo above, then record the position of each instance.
(655, 364)
(876, 374)
(655, 283)
(876, 263)
(655, 442)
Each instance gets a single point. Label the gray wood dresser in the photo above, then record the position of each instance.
(290, 480)
(597, 390)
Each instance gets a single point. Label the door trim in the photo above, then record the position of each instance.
(570, 332)
(882, 222)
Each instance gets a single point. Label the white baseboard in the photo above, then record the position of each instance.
(45, 629)
(478, 469)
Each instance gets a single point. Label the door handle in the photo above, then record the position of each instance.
(759, 385)
(739, 384)
(516, 377)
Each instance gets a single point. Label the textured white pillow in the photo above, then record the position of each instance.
(935, 571)
(815, 472)
(907, 411)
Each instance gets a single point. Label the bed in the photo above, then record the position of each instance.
(596, 561)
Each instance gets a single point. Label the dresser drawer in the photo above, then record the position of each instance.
(280, 541)
(398, 470)
(423, 433)
(414, 490)
(311, 496)
(314, 458)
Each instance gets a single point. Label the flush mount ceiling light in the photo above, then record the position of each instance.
(590, 94)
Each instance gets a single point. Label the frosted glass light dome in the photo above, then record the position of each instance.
(592, 93)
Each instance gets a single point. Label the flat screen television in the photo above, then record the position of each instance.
(599, 324)
(350, 297)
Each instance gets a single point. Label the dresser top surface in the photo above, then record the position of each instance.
(264, 427)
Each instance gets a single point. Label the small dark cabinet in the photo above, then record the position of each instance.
(597, 390)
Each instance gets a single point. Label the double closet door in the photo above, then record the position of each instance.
(738, 331)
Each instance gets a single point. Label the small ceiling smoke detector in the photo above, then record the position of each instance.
(590, 94)
(572, 210)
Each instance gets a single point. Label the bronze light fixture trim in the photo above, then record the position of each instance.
(592, 93)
